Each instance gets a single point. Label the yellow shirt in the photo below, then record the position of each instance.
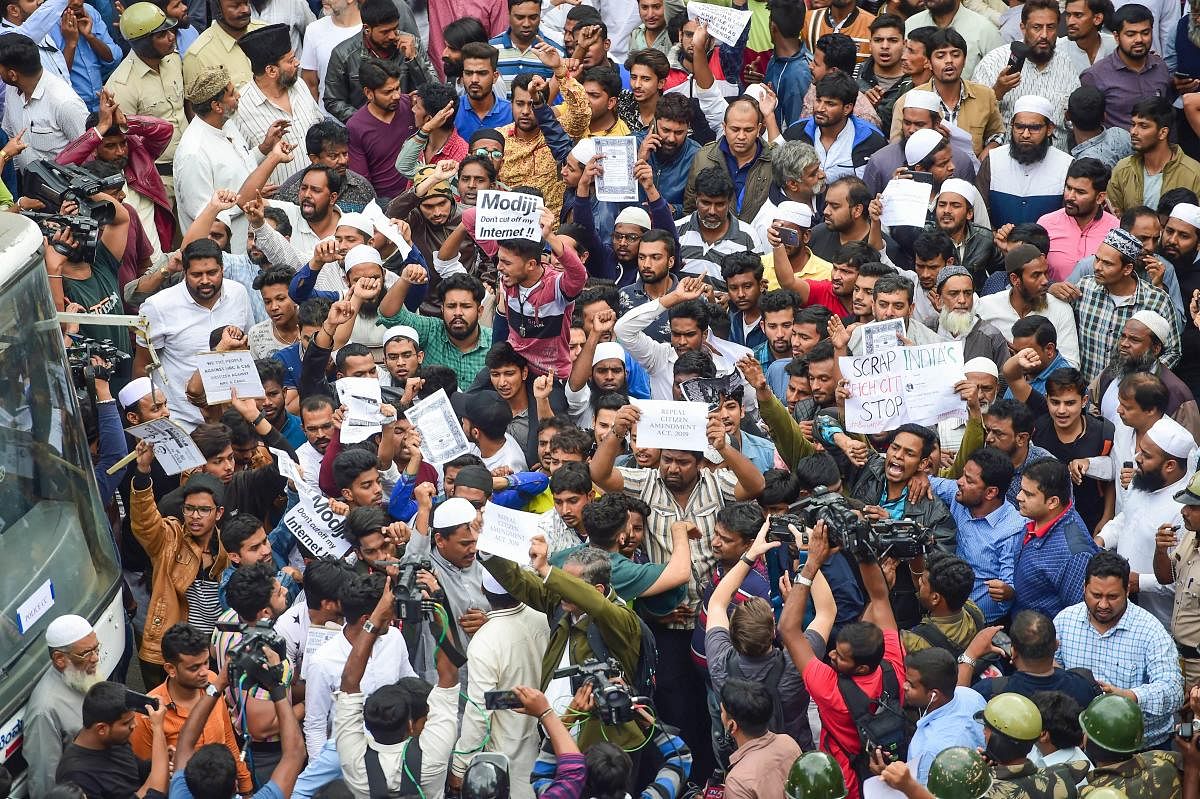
(216, 48)
(619, 129)
(529, 162)
(139, 90)
(815, 268)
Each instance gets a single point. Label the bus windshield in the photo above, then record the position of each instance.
(56, 550)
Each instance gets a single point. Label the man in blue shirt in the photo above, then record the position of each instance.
(668, 148)
(759, 451)
(479, 107)
(947, 710)
(516, 44)
(89, 50)
(988, 526)
(1038, 333)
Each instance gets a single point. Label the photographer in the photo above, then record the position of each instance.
(575, 597)
(255, 597)
(383, 745)
(210, 771)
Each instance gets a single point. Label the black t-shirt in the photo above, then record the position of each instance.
(1080, 687)
(1097, 439)
(114, 773)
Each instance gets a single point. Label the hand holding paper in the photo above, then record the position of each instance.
(905, 203)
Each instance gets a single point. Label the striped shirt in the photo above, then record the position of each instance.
(702, 258)
(514, 61)
(1136, 654)
(256, 113)
(203, 604)
(857, 25)
(1055, 82)
(713, 490)
(1101, 321)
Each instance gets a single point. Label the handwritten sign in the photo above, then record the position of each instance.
(724, 24)
(317, 527)
(173, 447)
(507, 215)
(617, 184)
(221, 371)
(906, 384)
(442, 436)
(507, 532)
(665, 424)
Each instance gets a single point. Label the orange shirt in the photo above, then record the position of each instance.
(217, 730)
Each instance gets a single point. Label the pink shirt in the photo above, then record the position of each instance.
(1070, 243)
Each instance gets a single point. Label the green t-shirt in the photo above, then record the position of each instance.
(630, 579)
(100, 294)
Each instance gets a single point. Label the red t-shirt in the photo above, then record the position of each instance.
(820, 292)
(822, 683)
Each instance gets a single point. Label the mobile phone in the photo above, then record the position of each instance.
(501, 700)
(1184, 76)
(921, 177)
(1127, 465)
(1187, 729)
(1017, 53)
(137, 702)
(1002, 642)
(789, 237)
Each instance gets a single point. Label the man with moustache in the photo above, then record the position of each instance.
(655, 277)
(1022, 180)
(1028, 293)
(54, 714)
(668, 148)
(1082, 223)
(1086, 40)
(1156, 166)
(380, 127)
(843, 141)
(480, 106)
(1133, 72)
(275, 94)
(920, 109)
(954, 214)
(958, 321)
(327, 143)
(217, 46)
(741, 155)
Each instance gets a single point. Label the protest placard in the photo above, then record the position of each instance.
(905, 203)
(507, 532)
(290, 470)
(317, 527)
(880, 336)
(507, 215)
(665, 424)
(906, 384)
(173, 447)
(442, 436)
(724, 24)
(362, 399)
(221, 371)
(617, 184)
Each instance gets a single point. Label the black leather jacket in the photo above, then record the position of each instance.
(343, 90)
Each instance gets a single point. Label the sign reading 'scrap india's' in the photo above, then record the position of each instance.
(902, 385)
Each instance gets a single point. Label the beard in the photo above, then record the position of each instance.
(1036, 302)
(1123, 366)
(1149, 481)
(79, 680)
(287, 81)
(453, 69)
(956, 323)
(1027, 154)
(466, 334)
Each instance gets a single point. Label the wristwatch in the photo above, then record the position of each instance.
(967, 660)
(212, 690)
(369, 628)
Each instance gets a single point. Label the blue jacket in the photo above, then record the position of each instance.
(1050, 569)
(602, 260)
(867, 139)
(791, 78)
(522, 487)
(282, 545)
(671, 176)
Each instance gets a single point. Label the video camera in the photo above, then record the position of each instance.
(408, 592)
(53, 184)
(866, 541)
(84, 373)
(614, 702)
(247, 658)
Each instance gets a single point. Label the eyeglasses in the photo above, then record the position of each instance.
(627, 237)
(192, 510)
(486, 153)
(1020, 126)
(87, 654)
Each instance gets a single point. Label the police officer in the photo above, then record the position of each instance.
(815, 775)
(1114, 728)
(956, 773)
(1011, 725)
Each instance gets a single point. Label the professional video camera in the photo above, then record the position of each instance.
(53, 184)
(408, 593)
(84, 373)
(614, 702)
(247, 658)
(867, 541)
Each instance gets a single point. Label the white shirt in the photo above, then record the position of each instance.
(256, 113)
(179, 328)
(1131, 533)
(387, 664)
(506, 651)
(1079, 56)
(310, 465)
(510, 455)
(295, 14)
(52, 117)
(997, 309)
(208, 159)
(320, 37)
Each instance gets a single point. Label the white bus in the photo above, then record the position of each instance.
(57, 554)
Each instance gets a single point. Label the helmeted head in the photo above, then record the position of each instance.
(815, 775)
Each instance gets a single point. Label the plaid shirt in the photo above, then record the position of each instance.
(439, 347)
(1137, 654)
(1101, 322)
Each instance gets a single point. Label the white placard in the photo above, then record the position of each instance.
(880, 336)
(173, 447)
(906, 384)
(724, 24)
(507, 532)
(317, 527)
(290, 470)
(362, 397)
(313, 640)
(220, 371)
(442, 436)
(36, 606)
(379, 219)
(666, 424)
(617, 183)
(905, 203)
(507, 215)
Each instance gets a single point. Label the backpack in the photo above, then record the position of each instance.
(642, 681)
(725, 746)
(935, 637)
(881, 722)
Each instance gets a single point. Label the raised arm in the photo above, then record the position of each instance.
(722, 595)
(1015, 370)
(679, 566)
(222, 200)
(750, 482)
(603, 463)
(792, 619)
